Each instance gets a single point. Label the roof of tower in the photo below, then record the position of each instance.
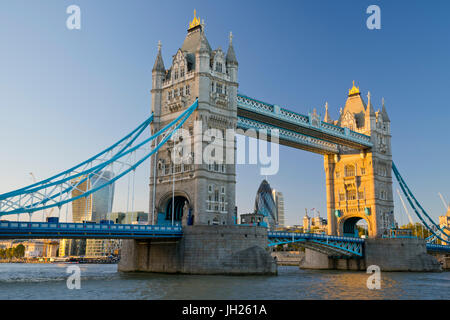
(159, 63)
(195, 39)
(355, 105)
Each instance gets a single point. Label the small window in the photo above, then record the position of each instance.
(219, 88)
(349, 171)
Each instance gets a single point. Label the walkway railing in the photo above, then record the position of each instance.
(48, 230)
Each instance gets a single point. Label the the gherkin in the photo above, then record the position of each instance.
(265, 204)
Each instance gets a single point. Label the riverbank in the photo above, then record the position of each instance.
(84, 260)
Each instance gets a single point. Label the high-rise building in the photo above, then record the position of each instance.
(133, 217)
(95, 208)
(265, 204)
(279, 202)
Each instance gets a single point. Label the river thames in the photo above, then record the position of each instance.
(103, 281)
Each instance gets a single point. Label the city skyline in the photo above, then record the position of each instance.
(83, 75)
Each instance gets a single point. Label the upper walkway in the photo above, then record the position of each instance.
(307, 132)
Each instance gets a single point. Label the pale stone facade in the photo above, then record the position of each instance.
(359, 184)
(207, 190)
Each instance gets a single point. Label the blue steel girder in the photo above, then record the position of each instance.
(120, 159)
(438, 248)
(288, 137)
(330, 245)
(308, 125)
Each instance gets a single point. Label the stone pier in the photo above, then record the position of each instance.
(203, 249)
(389, 254)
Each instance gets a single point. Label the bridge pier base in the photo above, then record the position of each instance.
(321, 261)
(395, 254)
(234, 250)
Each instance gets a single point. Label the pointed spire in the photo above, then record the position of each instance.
(231, 55)
(159, 63)
(370, 111)
(327, 117)
(384, 112)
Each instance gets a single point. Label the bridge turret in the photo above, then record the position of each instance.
(232, 63)
(158, 73)
(206, 187)
(359, 184)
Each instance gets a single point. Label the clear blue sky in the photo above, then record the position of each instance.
(64, 95)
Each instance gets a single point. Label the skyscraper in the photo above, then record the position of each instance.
(279, 202)
(265, 204)
(94, 207)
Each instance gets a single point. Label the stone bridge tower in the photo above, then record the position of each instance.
(359, 184)
(204, 192)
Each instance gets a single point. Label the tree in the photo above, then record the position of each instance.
(9, 253)
(19, 251)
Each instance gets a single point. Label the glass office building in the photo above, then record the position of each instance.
(265, 204)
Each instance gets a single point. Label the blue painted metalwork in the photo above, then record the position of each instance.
(310, 122)
(435, 229)
(13, 202)
(437, 248)
(133, 134)
(333, 245)
(43, 230)
(289, 135)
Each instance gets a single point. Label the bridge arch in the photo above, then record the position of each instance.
(347, 225)
(165, 205)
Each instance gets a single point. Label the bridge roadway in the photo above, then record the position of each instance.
(296, 130)
(331, 245)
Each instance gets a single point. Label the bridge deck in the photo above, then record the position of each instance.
(47, 230)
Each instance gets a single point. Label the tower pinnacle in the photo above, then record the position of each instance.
(354, 90)
(159, 63)
(195, 22)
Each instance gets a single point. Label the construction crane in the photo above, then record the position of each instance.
(406, 209)
(446, 204)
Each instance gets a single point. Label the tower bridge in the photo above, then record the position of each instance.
(193, 202)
